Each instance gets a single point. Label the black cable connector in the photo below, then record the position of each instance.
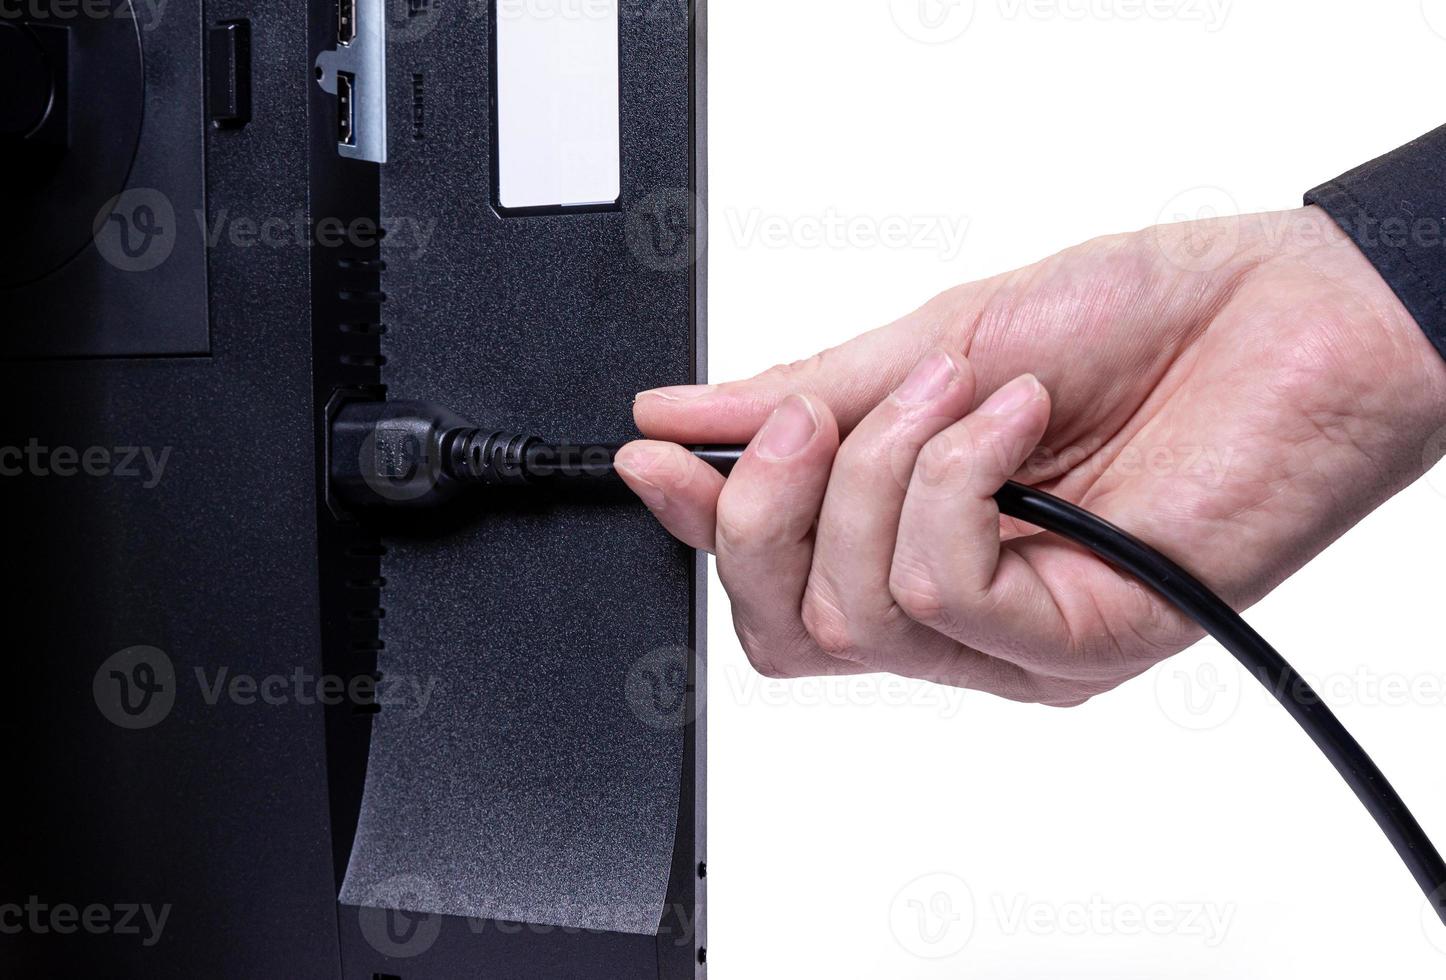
(409, 454)
(418, 455)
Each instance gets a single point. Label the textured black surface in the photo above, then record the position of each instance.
(533, 788)
(219, 811)
(219, 814)
(143, 291)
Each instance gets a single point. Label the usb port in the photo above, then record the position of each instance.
(346, 108)
(345, 21)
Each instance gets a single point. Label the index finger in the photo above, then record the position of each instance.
(850, 379)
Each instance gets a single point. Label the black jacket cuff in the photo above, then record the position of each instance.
(1394, 208)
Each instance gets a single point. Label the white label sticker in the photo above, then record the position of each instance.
(558, 141)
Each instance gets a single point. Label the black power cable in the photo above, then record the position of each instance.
(412, 454)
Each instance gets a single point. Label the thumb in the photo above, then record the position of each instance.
(850, 379)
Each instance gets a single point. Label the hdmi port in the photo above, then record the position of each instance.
(346, 108)
(345, 21)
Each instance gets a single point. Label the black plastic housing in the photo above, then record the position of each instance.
(227, 361)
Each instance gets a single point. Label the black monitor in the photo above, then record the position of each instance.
(254, 731)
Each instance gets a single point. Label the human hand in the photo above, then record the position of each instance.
(1238, 418)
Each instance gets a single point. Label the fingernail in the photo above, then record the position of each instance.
(638, 465)
(930, 378)
(678, 393)
(789, 430)
(1012, 397)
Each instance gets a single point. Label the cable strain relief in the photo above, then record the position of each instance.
(482, 458)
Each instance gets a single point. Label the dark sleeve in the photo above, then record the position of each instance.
(1395, 210)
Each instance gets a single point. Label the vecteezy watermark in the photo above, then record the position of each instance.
(241, 231)
(1210, 14)
(933, 916)
(142, 463)
(137, 688)
(942, 21)
(402, 918)
(146, 13)
(657, 690)
(390, 920)
(661, 229)
(932, 21)
(1207, 922)
(144, 921)
(748, 687)
(1207, 695)
(400, 692)
(1363, 687)
(137, 231)
(1188, 234)
(942, 467)
(832, 229)
(536, 10)
(936, 916)
(678, 925)
(1201, 696)
(1203, 229)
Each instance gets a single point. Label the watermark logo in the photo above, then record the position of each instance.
(388, 924)
(932, 21)
(662, 231)
(544, 10)
(136, 688)
(859, 692)
(397, 464)
(1207, 922)
(146, 13)
(656, 688)
(392, 692)
(942, 21)
(144, 921)
(121, 462)
(1198, 698)
(1188, 236)
(135, 231)
(1210, 14)
(933, 916)
(832, 229)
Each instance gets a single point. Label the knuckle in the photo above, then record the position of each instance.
(741, 528)
(795, 372)
(916, 591)
(827, 624)
(760, 653)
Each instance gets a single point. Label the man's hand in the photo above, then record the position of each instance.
(1239, 419)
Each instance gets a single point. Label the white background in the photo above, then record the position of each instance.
(1037, 125)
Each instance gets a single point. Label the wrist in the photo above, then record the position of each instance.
(1381, 349)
